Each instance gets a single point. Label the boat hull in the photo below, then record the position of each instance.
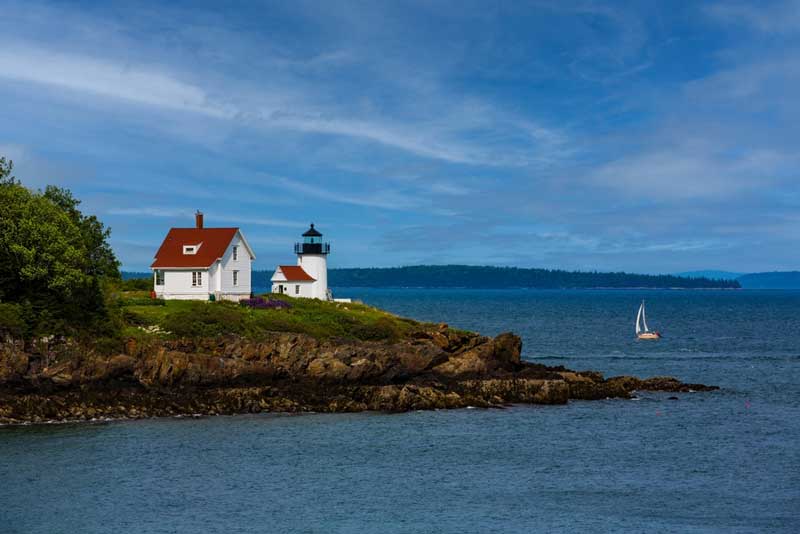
(649, 335)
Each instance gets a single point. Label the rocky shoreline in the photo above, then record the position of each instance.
(435, 369)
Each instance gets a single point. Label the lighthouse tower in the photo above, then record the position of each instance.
(312, 257)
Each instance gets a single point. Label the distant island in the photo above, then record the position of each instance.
(710, 273)
(768, 280)
(487, 277)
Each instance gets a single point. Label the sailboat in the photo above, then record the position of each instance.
(642, 332)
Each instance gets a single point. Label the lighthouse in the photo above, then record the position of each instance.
(309, 278)
(312, 256)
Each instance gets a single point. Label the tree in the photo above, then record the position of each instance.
(6, 166)
(53, 259)
(102, 262)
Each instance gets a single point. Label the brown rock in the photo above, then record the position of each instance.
(328, 369)
(13, 363)
(436, 368)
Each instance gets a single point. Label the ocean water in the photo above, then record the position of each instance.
(727, 461)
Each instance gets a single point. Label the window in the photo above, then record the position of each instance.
(297, 289)
(235, 257)
(197, 278)
(235, 275)
(189, 249)
(159, 277)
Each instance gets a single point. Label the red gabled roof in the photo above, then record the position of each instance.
(295, 273)
(213, 243)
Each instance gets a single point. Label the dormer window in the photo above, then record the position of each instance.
(191, 249)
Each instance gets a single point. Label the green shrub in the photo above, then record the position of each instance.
(383, 329)
(142, 301)
(262, 323)
(108, 345)
(11, 322)
(136, 284)
(131, 317)
(201, 319)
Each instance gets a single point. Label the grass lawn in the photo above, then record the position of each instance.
(320, 319)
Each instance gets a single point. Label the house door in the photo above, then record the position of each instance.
(280, 289)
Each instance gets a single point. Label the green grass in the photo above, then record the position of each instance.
(322, 320)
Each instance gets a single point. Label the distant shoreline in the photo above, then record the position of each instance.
(599, 288)
(487, 277)
(451, 288)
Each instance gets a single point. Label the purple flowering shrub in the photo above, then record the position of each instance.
(264, 304)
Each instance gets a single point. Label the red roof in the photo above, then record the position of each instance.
(213, 243)
(295, 273)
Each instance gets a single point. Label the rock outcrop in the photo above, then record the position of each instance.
(433, 369)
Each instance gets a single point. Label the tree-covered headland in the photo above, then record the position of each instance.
(55, 263)
(59, 277)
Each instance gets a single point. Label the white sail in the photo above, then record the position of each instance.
(644, 318)
(639, 317)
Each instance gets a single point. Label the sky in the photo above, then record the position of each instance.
(651, 137)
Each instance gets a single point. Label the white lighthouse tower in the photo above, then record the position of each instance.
(309, 278)
(312, 256)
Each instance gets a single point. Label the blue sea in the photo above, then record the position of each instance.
(726, 461)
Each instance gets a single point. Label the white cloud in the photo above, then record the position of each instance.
(685, 173)
(449, 188)
(380, 133)
(466, 132)
(188, 215)
(752, 82)
(384, 199)
(127, 82)
(781, 17)
(152, 212)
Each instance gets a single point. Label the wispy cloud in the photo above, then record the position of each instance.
(188, 214)
(153, 212)
(449, 188)
(385, 199)
(87, 74)
(689, 173)
(769, 17)
(161, 88)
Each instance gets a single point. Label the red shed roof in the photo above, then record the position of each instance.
(295, 273)
(212, 241)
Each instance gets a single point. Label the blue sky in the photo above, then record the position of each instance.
(639, 136)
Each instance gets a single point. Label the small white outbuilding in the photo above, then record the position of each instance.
(195, 263)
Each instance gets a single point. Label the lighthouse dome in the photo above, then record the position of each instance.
(312, 243)
(312, 232)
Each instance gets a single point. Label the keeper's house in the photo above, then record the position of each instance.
(195, 263)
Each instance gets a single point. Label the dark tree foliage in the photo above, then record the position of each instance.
(102, 261)
(54, 260)
(144, 283)
(507, 277)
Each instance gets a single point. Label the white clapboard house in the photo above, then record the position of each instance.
(309, 278)
(196, 263)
